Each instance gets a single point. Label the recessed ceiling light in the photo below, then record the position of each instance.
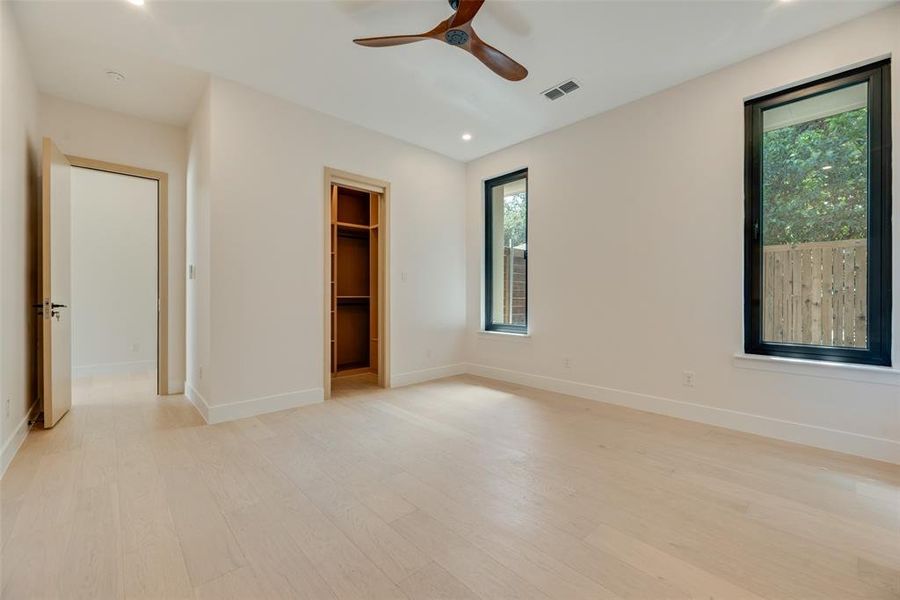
(466, 137)
(137, 2)
(115, 76)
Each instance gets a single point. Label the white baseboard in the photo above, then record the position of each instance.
(197, 400)
(411, 377)
(810, 435)
(220, 413)
(12, 445)
(119, 368)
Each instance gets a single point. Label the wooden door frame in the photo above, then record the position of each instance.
(366, 184)
(162, 255)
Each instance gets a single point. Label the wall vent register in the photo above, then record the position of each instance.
(558, 91)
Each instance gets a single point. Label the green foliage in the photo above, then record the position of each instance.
(514, 219)
(804, 202)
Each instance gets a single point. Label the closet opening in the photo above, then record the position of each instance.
(355, 354)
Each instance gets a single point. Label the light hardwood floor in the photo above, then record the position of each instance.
(461, 488)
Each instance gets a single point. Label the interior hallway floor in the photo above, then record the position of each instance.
(459, 488)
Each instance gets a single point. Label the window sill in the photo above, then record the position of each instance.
(819, 368)
(504, 334)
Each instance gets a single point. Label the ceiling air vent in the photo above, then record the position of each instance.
(569, 86)
(554, 93)
(566, 87)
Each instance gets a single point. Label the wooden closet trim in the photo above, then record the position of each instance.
(365, 184)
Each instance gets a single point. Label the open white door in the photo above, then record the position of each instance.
(56, 322)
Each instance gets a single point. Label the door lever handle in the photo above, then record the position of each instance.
(54, 310)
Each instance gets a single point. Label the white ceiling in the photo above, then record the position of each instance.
(152, 88)
(426, 93)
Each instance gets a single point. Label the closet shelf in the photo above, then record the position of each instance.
(353, 226)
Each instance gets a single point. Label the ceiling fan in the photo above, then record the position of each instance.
(457, 31)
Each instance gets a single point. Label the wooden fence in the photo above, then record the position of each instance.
(815, 293)
(514, 270)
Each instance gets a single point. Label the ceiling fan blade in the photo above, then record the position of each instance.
(389, 40)
(495, 60)
(465, 12)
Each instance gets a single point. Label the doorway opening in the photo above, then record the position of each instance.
(118, 274)
(356, 325)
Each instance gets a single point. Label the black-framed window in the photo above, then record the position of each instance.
(818, 220)
(506, 253)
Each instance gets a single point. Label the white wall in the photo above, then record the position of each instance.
(267, 248)
(197, 293)
(19, 169)
(114, 273)
(85, 131)
(635, 258)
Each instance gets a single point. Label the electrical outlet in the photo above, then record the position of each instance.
(428, 353)
(200, 372)
(403, 276)
(687, 378)
(135, 347)
(7, 407)
(567, 362)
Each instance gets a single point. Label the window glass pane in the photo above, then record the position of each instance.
(814, 220)
(509, 208)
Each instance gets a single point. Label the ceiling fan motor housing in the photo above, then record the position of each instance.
(456, 37)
